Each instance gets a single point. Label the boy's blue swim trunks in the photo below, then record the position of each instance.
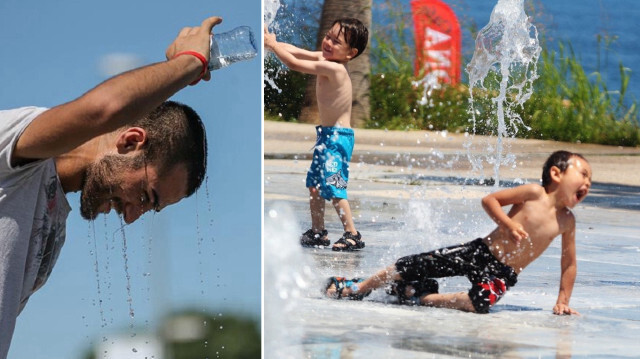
(329, 171)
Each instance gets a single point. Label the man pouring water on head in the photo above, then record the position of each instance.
(121, 144)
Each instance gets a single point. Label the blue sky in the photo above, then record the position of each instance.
(202, 253)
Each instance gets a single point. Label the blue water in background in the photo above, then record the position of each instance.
(577, 22)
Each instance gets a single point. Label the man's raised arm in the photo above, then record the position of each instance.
(119, 100)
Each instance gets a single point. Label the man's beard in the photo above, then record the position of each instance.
(101, 179)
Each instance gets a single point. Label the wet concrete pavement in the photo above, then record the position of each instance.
(414, 191)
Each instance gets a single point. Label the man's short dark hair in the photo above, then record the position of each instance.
(559, 159)
(355, 33)
(176, 135)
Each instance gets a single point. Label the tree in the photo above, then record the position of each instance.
(188, 334)
(359, 68)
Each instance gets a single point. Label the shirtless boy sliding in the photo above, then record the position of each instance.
(329, 172)
(492, 264)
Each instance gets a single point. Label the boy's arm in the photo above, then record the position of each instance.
(569, 268)
(302, 54)
(494, 202)
(313, 67)
(117, 101)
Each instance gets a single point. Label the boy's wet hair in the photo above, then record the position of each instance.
(355, 33)
(559, 159)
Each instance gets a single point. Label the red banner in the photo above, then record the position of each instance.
(438, 40)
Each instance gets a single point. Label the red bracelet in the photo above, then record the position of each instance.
(200, 57)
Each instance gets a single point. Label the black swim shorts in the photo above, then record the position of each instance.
(489, 277)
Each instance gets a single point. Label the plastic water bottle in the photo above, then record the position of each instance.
(232, 46)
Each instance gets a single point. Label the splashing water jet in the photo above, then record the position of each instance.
(289, 282)
(271, 8)
(429, 83)
(507, 50)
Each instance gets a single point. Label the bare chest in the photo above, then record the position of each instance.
(334, 101)
(332, 92)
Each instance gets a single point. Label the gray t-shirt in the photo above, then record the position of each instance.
(33, 212)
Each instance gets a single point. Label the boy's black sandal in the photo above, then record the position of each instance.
(346, 240)
(341, 283)
(399, 289)
(313, 239)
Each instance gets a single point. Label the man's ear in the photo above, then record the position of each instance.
(555, 173)
(131, 139)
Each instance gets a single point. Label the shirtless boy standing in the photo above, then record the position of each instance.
(329, 172)
(492, 264)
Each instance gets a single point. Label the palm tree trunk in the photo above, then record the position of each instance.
(359, 68)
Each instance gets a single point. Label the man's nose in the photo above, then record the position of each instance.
(134, 213)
